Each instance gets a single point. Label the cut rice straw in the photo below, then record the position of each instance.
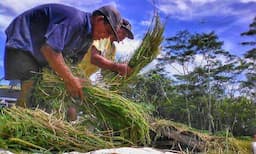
(36, 130)
(148, 50)
(104, 109)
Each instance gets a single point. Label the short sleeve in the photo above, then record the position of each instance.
(57, 35)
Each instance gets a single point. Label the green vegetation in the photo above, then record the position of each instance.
(148, 50)
(103, 109)
(207, 92)
(36, 130)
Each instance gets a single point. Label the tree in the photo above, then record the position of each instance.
(152, 89)
(200, 82)
(249, 85)
(180, 50)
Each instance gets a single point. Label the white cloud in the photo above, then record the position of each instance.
(4, 21)
(173, 7)
(174, 68)
(149, 67)
(145, 23)
(247, 1)
(202, 1)
(14, 7)
(89, 5)
(23, 5)
(177, 69)
(239, 21)
(199, 61)
(127, 47)
(188, 9)
(19, 6)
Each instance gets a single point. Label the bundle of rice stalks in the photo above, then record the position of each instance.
(36, 130)
(168, 134)
(227, 145)
(104, 109)
(148, 50)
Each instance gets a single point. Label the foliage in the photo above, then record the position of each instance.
(205, 92)
(151, 89)
(249, 85)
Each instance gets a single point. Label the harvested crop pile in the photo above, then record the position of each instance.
(36, 130)
(103, 109)
(170, 135)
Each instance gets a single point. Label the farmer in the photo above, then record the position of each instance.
(104, 47)
(45, 35)
(107, 48)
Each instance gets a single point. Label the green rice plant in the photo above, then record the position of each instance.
(148, 50)
(105, 110)
(36, 130)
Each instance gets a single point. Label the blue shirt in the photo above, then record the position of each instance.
(64, 28)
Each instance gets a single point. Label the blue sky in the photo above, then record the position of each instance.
(228, 18)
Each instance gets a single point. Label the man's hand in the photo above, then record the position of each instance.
(57, 63)
(75, 86)
(102, 62)
(124, 69)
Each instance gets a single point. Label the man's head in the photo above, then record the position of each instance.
(127, 27)
(107, 21)
(124, 31)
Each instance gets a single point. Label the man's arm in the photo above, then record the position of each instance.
(57, 63)
(102, 62)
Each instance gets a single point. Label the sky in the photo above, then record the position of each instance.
(227, 18)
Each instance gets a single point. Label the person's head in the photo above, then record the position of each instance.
(124, 31)
(106, 21)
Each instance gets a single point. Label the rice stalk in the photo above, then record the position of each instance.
(32, 130)
(103, 109)
(148, 50)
